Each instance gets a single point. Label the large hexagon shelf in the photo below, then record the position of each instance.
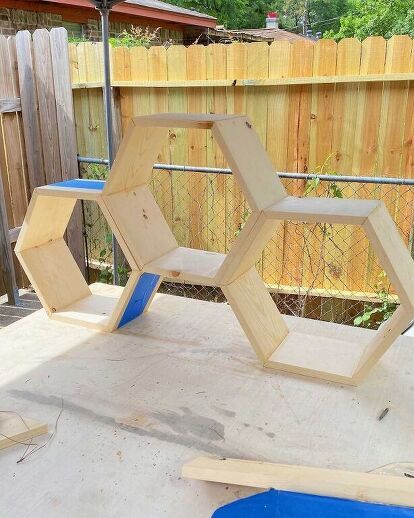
(153, 252)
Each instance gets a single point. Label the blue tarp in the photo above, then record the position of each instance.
(285, 504)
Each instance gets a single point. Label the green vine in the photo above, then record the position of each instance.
(373, 316)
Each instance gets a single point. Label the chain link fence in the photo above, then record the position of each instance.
(320, 271)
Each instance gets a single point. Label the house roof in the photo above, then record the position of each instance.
(271, 34)
(163, 6)
(153, 11)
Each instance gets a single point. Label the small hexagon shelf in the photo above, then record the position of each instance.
(53, 272)
(153, 252)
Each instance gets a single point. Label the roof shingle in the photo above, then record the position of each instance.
(163, 6)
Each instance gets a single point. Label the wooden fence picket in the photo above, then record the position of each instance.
(30, 114)
(176, 99)
(216, 103)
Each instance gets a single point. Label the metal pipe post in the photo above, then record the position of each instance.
(104, 11)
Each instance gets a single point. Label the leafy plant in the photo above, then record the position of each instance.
(332, 189)
(376, 18)
(136, 37)
(244, 217)
(319, 262)
(77, 39)
(372, 316)
(96, 172)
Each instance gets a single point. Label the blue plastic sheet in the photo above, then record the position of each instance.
(285, 504)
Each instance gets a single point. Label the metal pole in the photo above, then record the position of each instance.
(374, 180)
(7, 273)
(104, 11)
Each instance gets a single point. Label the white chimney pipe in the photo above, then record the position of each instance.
(272, 20)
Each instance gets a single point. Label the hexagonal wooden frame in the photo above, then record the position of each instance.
(126, 192)
(53, 272)
(153, 251)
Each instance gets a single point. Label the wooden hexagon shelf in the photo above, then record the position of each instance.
(149, 238)
(53, 272)
(153, 252)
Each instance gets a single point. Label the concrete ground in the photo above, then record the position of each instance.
(179, 382)
(29, 303)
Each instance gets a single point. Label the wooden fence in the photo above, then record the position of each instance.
(348, 107)
(37, 133)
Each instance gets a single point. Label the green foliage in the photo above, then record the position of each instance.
(335, 18)
(135, 37)
(77, 39)
(95, 171)
(376, 18)
(244, 218)
(228, 12)
(320, 15)
(332, 188)
(374, 315)
(242, 14)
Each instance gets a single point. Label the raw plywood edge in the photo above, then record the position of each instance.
(366, 487)
(15, 430)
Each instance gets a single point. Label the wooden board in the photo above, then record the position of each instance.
(244, 153)
(149, 239)
(216, 195)
(197, 150)
(13, 169)
(366, 487)
(7, 273)
(175, 205)
(54, 274)
(188, 264)
(257, 313)
(15, 430)
(46, 220)
(67, 135)
(317, 356)
(135, 158)
(47, 107)
(29, 101)
(10, 105)
(248, 246)
(94, 311)
(316, 80)
(329, 210)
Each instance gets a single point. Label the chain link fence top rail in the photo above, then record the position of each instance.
(315, 270)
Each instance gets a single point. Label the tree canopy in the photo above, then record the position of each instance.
(334, 18)
(243, 14)
(376, 18)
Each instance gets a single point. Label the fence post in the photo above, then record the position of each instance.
(6, 256)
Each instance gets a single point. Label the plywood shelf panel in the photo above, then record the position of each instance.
(330, 352)
(188, 264)
(329, 210)
(94, 311)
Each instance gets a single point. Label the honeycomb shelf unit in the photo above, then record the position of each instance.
(153, 252)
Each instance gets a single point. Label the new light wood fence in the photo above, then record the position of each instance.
(346, 108)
